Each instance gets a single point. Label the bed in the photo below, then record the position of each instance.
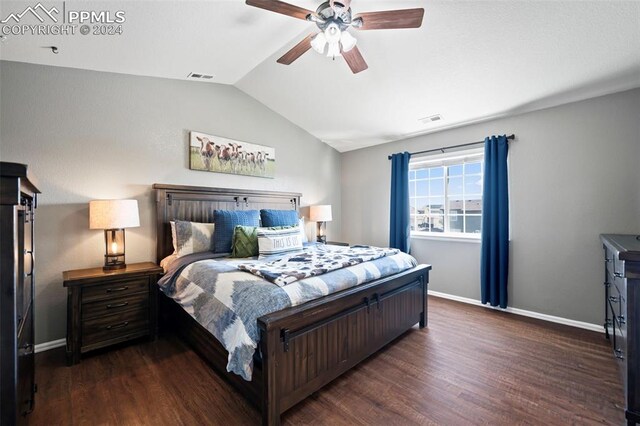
(301, 348)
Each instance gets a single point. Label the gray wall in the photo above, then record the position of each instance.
(89, 135)
(574, 173)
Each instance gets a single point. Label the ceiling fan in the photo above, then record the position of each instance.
(334, 18)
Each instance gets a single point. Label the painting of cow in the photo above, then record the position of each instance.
(223, 155)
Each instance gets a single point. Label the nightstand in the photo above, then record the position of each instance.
(109, 307)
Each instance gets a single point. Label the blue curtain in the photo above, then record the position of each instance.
(399, 227)
(494, 262)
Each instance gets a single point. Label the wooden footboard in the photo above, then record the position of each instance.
(303, 348)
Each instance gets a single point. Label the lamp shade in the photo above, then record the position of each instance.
(347, 41)
(113, 214)
(320, 213)
(319, 42)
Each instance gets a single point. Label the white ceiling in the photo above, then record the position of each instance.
(470, 60)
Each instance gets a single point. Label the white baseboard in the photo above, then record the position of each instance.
(523, 312)
(41, 347)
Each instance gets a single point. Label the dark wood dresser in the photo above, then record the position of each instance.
(622, 313)
(109, 307)
(18, 198)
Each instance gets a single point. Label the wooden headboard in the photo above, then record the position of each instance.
(197, 203)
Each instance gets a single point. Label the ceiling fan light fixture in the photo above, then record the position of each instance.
(347, 41)
(319, 42)
(333, 50)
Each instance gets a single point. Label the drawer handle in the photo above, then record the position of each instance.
(619, 354)
(119, 305)
(607, 260)
(621, 320)
(122, 324)
(617, 274)
(113, 290)
(613, 299)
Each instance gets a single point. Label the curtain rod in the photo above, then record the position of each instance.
(510, 137)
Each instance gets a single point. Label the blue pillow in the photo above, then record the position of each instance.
(279, 217)
(226, 222)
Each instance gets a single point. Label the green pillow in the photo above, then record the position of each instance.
(245, 240)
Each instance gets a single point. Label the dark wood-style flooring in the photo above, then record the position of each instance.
(470, 366)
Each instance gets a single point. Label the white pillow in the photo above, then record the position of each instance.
(192, 237)
(279, 241)
(303, 233)
(173, 236)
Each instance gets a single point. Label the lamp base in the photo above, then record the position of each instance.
(114, 250)
(114, 267)
(321, 235)
(114, 262)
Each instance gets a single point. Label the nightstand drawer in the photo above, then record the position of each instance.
(116, 288)
(114, 326)
(137, 301)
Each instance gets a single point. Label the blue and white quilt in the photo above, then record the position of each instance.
(313, 261)
(228, 301)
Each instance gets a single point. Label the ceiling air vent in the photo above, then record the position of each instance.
(198, 76)
(430, 119)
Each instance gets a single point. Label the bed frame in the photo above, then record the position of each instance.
(302, 348)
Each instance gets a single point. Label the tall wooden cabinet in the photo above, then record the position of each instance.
(18, 201)
(622, 313)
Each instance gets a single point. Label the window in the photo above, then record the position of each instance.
(445, 194)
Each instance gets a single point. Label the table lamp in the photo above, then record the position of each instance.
(113, 216)
(321, 214)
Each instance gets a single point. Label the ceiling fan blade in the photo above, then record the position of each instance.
(296, 51)
(281, 7)
(391, 19)
(355, 60)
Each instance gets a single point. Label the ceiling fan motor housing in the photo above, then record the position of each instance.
(338, 14)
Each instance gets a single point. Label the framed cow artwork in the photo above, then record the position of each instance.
(223, 155)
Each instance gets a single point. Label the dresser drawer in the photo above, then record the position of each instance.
(621, 353)
(116, 305)
(105, 328)
(619, 283)
(618, 306)
(618, 267)
(114, 289)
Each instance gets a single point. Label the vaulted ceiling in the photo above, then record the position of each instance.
(470, 60)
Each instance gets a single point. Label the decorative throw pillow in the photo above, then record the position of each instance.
(279, 241)
(192, 237)
(279, 217)
(245, 241)
(226, 222)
